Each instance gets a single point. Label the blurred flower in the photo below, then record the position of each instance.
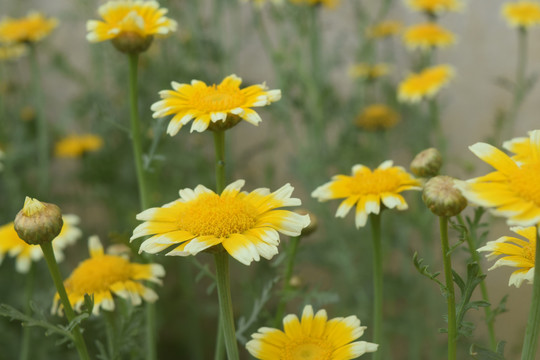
(516, 253)
(14, 246)
(74, 146)
(27, 113)
(427, 163)
(245, 224)
(331, 4)
(369, 71)
(377, 117)
(12, 51)
(367, 189)
(31, 28)
(311, 337)
(513, 190)
(384, 29)
(260, 3)
(521, 147)
(130, 24)
(103, 275)
(522, 13)
(427, 35)
(425, 84)
(217, 106)
(435, 6)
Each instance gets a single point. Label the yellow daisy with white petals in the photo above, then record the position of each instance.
(245, 224)
(103, 275)
(427, 36)
(435, 6)
(515, 252)
(367, 189)
(522, 14)
(384, 29)
(513, 189)
(426, 84)
(12, 245)
(313, 337)
(218, 106)
(31, 28)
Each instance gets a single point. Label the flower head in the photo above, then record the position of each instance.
(313, 337)
(103, 275)
(425, 84)
(330, 4)
(369, 72)
(435, 6)
(516, 253)
(245, 224)
(377, 117)
(522, 13)
(384, 29)
(31, 28)
(217, 106)
(12, 51)
(367, 189)
(513, 189)
(427, 35)
(14, 246)
(75, 146)
(130, 24)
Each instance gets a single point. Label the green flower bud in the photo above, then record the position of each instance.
(427, 163)
(38, 222)
(442, 197)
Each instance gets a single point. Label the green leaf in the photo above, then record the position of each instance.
(423, 270)
(480, 353)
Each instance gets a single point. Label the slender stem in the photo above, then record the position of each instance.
(220, 343)
(219, 144)
(530, 343)
(28, 294)
(225, 304)
(43, 138)
(110, 329)
(450, 294)
(78, 339)
(375, 220)
(293, 249)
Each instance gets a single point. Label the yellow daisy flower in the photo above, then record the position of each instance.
(130, 20)
(377, 117)
(522, 14)
(521, 147)
(425, 84)
(313, 337)
(369, 71)
(330, 4)
(31, 28)
(12, 51)
(384, 29)
(24, 254)
(245, 224)
(103, 275)
(367, 189)
(435, 6)
(75, 146)
(513, 190)
(211, 106)
(516, 253)
(427, 35)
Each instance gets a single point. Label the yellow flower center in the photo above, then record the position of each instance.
(211, 214)
(214, 98)
(98, 274)
(307, 349)
(376, 182)
(525, 182)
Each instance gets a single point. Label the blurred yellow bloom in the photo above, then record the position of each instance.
(31, 28)
(331, 4)
(522, 14)
(74, 146)
(260, 3)
(367, 189)
(515, 252)
(103, 275)
(313, 337)
(377, 117)
(245, 224)
(384, 29)
(513, 189)
(425, 84)
(426, 36)
(369, 71)
(14, 246)
(435, 6)
(12, 51)
(216, 106)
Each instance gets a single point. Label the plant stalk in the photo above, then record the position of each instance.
(450, 294)
(28, 294)
(375, 220)
(293, 249)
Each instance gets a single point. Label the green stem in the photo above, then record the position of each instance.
(78, 339)
(43, 138)
(220, 344)
(225, 304)
(110, 329)
(375, 220)
(219, 144)
(293, 249)
(450, 294)
(28, 294)
(530, 343)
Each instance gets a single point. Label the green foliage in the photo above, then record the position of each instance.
(481, 353)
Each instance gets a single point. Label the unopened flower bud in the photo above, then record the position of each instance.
(308, 230)
(132, 42)
(38, 222)
(427, 163)
(442, 197)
